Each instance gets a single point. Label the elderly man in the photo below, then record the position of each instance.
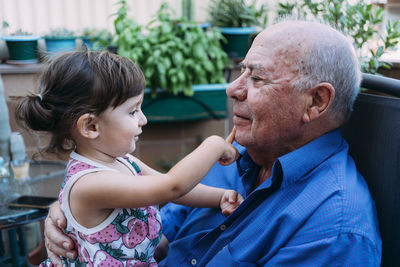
(306, 204)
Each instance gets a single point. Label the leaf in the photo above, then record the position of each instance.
(181, 76)
(379, 51)
(122, 229)
(178, 58)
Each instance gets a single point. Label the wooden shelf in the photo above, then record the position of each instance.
(20, 69)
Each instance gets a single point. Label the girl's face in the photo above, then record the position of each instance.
(120, 127)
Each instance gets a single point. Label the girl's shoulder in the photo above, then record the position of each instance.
(75, 166)
(132, 161)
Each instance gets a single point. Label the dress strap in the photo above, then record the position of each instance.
(134, 165)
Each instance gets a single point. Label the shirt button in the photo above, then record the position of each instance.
(193, 261)
(222, 227)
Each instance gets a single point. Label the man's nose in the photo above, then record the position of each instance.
(237, 89)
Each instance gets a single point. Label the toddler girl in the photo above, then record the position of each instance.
(90, 102)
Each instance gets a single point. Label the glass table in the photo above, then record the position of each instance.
(46, 178)
(12, 220)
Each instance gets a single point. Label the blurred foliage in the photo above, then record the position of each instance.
(360, 20)
(5, 27)
(236, 13)
(173, 54)
(101, 38)
(4, 24)
(60, 33)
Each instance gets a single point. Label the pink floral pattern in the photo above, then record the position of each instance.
(129, 240)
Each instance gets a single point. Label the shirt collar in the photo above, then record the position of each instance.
(244, 163)
(296, 164)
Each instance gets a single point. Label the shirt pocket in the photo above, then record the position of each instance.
(225, 258)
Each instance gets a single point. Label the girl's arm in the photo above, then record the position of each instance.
(202, 195)
(211, 197)
(109, 189)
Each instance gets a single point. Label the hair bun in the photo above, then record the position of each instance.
(34, 114)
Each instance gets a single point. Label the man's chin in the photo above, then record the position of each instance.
(241, 140)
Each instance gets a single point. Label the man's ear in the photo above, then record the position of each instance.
(87, 126)
(319, 99)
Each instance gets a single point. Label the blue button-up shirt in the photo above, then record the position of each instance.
(314, 210)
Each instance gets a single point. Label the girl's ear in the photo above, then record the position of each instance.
(87, 126)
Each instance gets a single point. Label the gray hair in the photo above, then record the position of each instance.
(331, 58)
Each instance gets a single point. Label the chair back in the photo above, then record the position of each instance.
(373, 134)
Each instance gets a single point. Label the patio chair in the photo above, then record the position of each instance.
(373, 134)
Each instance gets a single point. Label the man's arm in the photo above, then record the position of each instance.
(57, 243)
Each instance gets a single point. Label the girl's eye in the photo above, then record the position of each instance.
(132, 113)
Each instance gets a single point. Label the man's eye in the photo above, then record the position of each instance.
(256, 79)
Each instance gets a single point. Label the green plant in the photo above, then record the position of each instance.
(173, 54)
(60, 33)
(236, 13)
(360, 20)
(100, 37)
(4, 26)
(21, 32)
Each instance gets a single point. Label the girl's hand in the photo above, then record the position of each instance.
(230, 154)
(230, 200)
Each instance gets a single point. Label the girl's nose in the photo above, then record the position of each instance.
(142, 119)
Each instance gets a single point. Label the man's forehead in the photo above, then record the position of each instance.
(261, 56)
(245, 64)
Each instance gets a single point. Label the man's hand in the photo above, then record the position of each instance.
(162, 249)
(57, 242)
(230, 200)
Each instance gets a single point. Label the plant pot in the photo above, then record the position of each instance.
(208, 101)
(61, 44)
(238, 41)
(204, 26)
(22, 49)
(88, 43)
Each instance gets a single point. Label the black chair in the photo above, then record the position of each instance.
(373, 134)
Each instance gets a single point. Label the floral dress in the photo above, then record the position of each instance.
(127, 237)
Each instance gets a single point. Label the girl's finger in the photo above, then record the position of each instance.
(231, 136)
(233, 197)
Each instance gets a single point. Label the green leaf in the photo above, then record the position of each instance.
(122, 229)
(379, 51)
(181, 76)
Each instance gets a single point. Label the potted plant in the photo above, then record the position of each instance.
(60, 40)
(237, 21)
(22, 46)
(96, 39)
(361, 21)
(175, 55)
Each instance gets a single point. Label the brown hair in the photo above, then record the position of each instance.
(75, 83)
